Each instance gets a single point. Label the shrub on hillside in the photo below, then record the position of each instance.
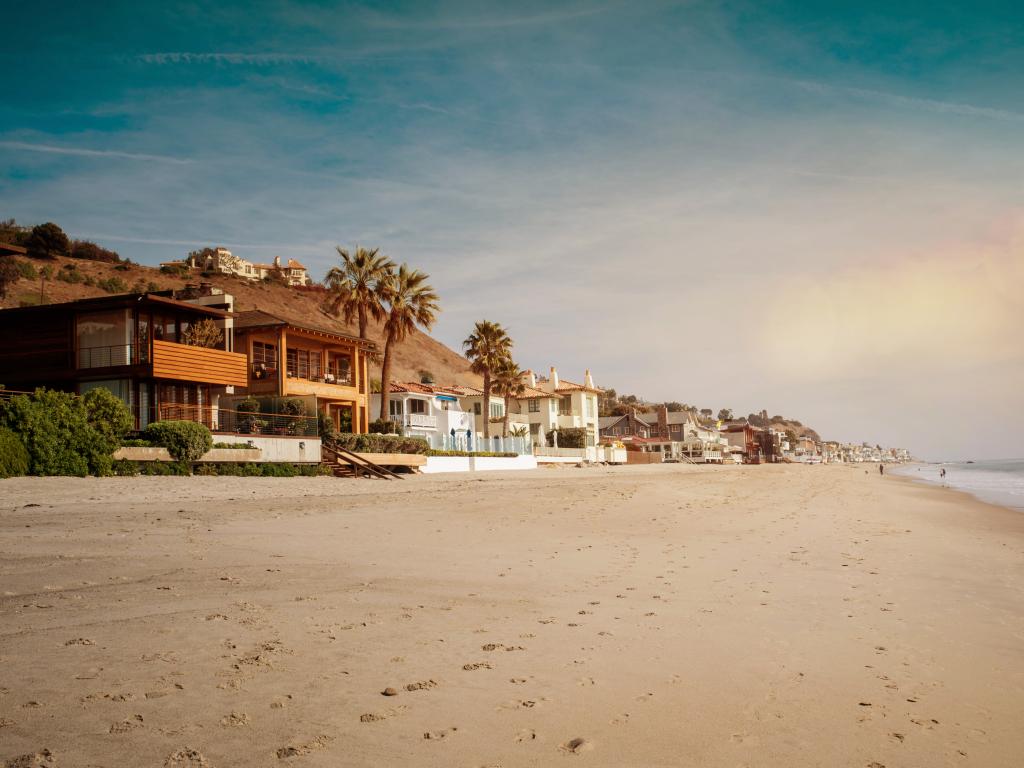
(88, 250)
(26, 271)
(13, 454)
(186, 441)
(377, 443)
(70, 274)
(61, 432)
(113, 285)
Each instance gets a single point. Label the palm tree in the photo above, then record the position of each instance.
(508, 382)
(411, 301)
(486, 347)
(355, 290)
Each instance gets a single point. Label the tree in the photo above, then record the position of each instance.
(725, 414)
(86, 249)
(204, 333)
(706, 412)
(9, 274)
(356, 289)
(508, 383)
(486, 347)
(674, 407)
(410, 301)
(47, 241)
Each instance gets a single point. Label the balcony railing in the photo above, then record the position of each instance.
(241, 422)
(108, 356)
(419, 420)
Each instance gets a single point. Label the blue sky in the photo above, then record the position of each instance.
(770, 204)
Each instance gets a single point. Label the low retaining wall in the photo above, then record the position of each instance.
(643, 457)
(284, 450)
(477, 463)
(287, 450)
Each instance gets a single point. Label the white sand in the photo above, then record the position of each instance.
(666, 616)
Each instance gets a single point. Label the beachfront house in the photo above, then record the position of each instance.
(223, 261)
(143, 347)
(433, 413)
(623, 428)
(291, 358)
(471, 399)
(559, 403)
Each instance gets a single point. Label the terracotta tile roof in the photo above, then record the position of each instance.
(571, 386)
(417, 388)
(531, 393)
(293, 264)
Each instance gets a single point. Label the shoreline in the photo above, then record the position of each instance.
(770, 615)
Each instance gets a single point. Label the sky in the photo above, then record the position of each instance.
(812, 208)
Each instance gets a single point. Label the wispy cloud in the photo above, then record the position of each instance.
(256, 59)
(914, 102)
(84, 152)
(490, 22)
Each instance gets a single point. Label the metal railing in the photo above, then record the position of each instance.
(522, 446)
(242, 422)
(419, 420)
(108, 356)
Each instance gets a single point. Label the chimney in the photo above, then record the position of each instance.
(663, 421)
(588, 380)
(554, 379)
(277, 261)
(531, 379)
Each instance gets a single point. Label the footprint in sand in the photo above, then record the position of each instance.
(186, 758)
(577, 746)
(527, 734)
(421, 685)
(126, 725)
(475, 666)
(437, 735)
(234, 720)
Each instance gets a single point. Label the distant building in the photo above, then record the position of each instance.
(224, 262)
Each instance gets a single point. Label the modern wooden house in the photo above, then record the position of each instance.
(135, 345)
(289, 358)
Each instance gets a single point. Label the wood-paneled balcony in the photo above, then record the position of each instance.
(199, 364)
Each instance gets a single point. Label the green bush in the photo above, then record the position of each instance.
(26, 270)
(13, 454)
(62, 435)
(483, 454)
(374, 443)
(70, 274)
(384, 427)
(125, 468)
(569, 437)
(232, 446)
(113, 285)
(186, 441)
(137, 443)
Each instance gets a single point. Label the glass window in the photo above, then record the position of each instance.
(395, 407)
(104, 339)
(264, 359)
(497, 410)
(534, 405)
(565, 405)
(477, 409)
(417, 406)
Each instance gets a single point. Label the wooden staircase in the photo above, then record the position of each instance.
(345, 463)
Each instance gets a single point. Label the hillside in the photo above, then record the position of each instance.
(418, 353)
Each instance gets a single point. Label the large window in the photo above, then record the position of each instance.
(104, 339)
(417, 406)
(395, 408)
(339, 370)
(565, 405)
(497, 410)
(303, 364)
(534, 405)
(264, 360)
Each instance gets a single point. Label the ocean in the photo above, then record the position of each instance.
(998, 482)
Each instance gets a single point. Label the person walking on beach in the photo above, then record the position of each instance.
(942, 473)
(881, 469)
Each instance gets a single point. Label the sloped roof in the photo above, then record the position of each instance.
(417, 388)
(572, 386)
(257, 318)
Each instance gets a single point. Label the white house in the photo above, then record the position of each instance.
(561, 403)
(434, 413)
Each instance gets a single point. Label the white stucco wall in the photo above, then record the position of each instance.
(477, 463)
(294, 450)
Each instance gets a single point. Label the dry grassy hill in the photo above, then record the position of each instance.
(418, 353)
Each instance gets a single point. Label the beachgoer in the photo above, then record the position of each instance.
(942, 473)
(881, 469)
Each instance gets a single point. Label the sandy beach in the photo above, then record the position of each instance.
(635, 616)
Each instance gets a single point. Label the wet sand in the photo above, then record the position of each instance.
(634, 616)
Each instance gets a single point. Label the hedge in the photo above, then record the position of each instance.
(384, 427)
(13, 454)
(186, 441)
(65, 434)
(478, 454)
(374, 443)
(569, 437)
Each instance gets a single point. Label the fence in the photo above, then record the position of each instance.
(110, 356)
(521, 446)
(242, 422)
